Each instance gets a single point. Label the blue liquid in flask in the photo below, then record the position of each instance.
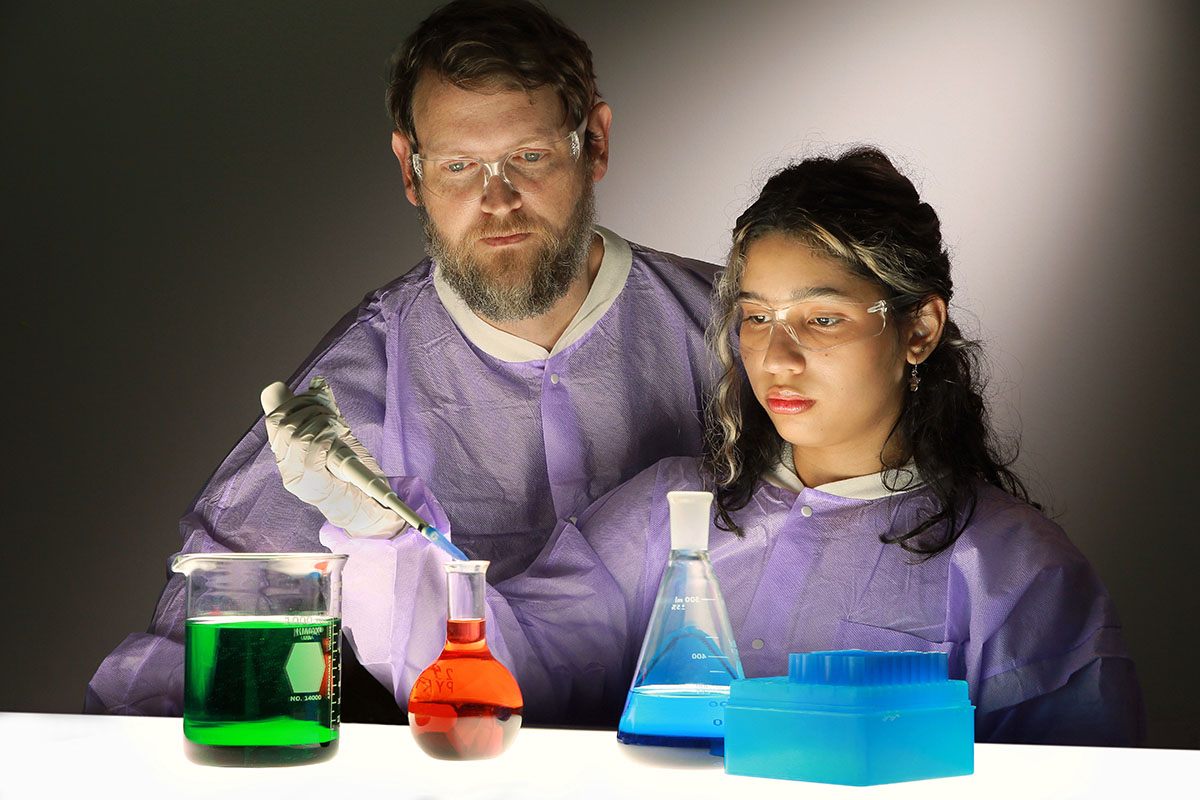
(689, 656)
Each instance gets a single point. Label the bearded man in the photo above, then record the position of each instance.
(532, 363)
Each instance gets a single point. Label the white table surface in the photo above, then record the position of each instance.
(74, 755)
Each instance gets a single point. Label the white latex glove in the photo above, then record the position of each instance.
(301, 431)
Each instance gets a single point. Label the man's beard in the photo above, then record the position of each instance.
(514, 287)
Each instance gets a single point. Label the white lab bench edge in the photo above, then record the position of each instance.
(76, 755)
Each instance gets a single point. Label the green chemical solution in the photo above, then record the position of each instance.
(261, 691)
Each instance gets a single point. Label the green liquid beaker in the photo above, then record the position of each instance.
(262, 657)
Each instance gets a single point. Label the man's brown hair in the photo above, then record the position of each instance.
(477, 44)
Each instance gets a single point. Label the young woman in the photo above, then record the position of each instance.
(861, 501)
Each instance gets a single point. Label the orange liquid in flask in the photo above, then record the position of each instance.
(465, 705)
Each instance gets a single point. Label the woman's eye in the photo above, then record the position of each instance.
(824, 322)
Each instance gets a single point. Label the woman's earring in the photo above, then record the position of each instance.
(913, 379)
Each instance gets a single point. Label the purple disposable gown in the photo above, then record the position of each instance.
(1024, 619)
(493, 448)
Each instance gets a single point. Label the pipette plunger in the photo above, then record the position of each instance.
(347, 462)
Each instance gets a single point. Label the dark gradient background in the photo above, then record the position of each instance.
(195, 191)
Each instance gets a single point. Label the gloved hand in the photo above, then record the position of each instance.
(301, 432)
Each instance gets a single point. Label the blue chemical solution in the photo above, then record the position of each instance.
(674, 715)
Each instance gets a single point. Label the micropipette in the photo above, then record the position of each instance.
(347, 463)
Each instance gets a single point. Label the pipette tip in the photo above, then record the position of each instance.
(434, 535)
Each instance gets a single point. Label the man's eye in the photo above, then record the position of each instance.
(531, 156)
(455, 167)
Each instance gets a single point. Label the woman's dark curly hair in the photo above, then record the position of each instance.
(859, 210)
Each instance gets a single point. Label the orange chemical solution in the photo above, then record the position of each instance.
(465, 705)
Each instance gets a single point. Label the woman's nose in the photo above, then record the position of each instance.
(783, 353)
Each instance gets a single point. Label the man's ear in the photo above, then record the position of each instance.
(403, 151)
(596, 138)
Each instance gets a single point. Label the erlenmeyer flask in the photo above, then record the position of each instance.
(466, 704)
(689, 657)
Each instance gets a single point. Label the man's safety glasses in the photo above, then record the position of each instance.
(527, 170)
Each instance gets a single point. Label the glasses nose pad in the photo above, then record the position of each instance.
(792, 333)
(781, 324)
(497, 169)
(502, 170)
(505, 192)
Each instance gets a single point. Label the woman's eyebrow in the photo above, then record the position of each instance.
(808, 293)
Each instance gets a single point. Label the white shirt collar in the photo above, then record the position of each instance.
(610, 279)
(864, 487)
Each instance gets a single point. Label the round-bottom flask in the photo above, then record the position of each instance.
(465, 705)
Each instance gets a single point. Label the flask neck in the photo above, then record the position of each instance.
(465, 633)
(465, 596)
(685, 554)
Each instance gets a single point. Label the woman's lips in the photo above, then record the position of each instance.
(500, 241)
(788, 403)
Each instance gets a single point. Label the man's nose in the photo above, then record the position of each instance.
(499, 197)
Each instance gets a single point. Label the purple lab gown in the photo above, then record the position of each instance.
(1021, 614)
(502, 448)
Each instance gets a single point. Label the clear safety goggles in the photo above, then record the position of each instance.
(815, 325)
(527, 170)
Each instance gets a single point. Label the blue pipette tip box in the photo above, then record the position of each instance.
(852, 717)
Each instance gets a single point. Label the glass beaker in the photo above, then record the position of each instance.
(262, 657)
(465, 705)
(689, 656)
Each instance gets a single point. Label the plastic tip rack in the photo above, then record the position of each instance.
(852, 717)
(866, 668)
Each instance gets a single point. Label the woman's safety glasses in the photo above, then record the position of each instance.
(815, 325)
(527, 170)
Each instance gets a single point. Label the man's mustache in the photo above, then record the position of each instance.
(510, 224)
